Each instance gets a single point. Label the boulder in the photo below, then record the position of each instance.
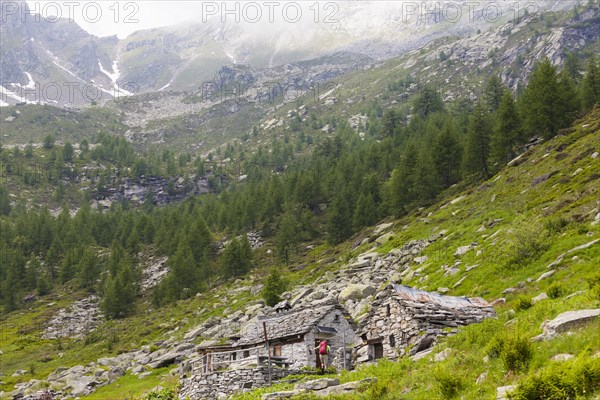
(570, 320)
(317, 384)
(545, 275)
(280, 395)
(503, 392)
(355, 292)
(539, 297)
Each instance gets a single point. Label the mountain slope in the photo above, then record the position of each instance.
(513, 226)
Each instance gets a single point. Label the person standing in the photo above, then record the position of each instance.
(324, 351)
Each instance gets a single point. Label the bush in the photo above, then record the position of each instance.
(556, 225)
(163, 394)
(523, 303)
(555, 291)
(527, 243)
(594, 284)
(568, 380)
(449, 382)
(516, 352)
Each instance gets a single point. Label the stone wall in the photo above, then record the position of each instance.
(403, 324)
(336, 342)
(224, 383)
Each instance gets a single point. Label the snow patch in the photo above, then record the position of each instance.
(114, 76)
(9, 93)
(31, 84)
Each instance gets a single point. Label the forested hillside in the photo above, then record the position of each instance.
(115, 242)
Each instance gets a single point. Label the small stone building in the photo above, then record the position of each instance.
(403, 318)
(292, 336)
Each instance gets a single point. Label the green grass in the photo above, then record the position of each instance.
(131, 386)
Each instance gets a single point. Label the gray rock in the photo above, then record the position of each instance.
(539, 297)
(317, 384)
(503, 392)
(439, 357)
(562, 357)
(569, 320)
(280, 395)
(355, 292)
(545, 275)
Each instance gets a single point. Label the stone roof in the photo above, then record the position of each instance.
(421, 296)
(295, 322)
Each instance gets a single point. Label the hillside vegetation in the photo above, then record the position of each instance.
(506, 182)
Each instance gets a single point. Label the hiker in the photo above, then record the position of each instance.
(324, 351)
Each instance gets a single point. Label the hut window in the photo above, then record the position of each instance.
(246, 353)
(392, 341)
(277, 350)
(336, 318)
(388, 311)
(233, 356)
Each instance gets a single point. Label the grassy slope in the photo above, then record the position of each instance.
(527, 213)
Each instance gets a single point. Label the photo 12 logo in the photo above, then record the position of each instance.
(54, 11)
(270, 11)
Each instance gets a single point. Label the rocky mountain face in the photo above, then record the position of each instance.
(74, 68)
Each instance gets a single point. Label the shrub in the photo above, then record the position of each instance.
(594, 284)
(568, 380)
(449, 382)
(523, 303)
(515, 351)
(163, 394)
(555, 291)
(556, 225)
(527, 243)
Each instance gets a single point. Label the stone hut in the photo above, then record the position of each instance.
(403, 318)
(292, 337)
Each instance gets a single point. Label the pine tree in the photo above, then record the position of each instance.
(508, 132)
(591, 84)
(288, 233)
(428, 102)
(339, 226)
(549, 103)
(447, 153)
(365, 213)
(390, 121)
(5, 206)
(185, 277)
(568, 100)
(119, 294)
(425, 186)
(237, 257)
(67, 153)
(88, 269)
(274, 287)
(400, 189)
(494, 90)
(478, 146)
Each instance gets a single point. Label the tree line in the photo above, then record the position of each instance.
(346, 184)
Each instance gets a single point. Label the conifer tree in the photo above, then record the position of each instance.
(446, 154)
(428, 102)
(339, 226)
(237, 257)
(494, 90)
(508, 132)
(365, 213)
(288, 233)
(478, 144)
(274, 287)
(591, 84)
